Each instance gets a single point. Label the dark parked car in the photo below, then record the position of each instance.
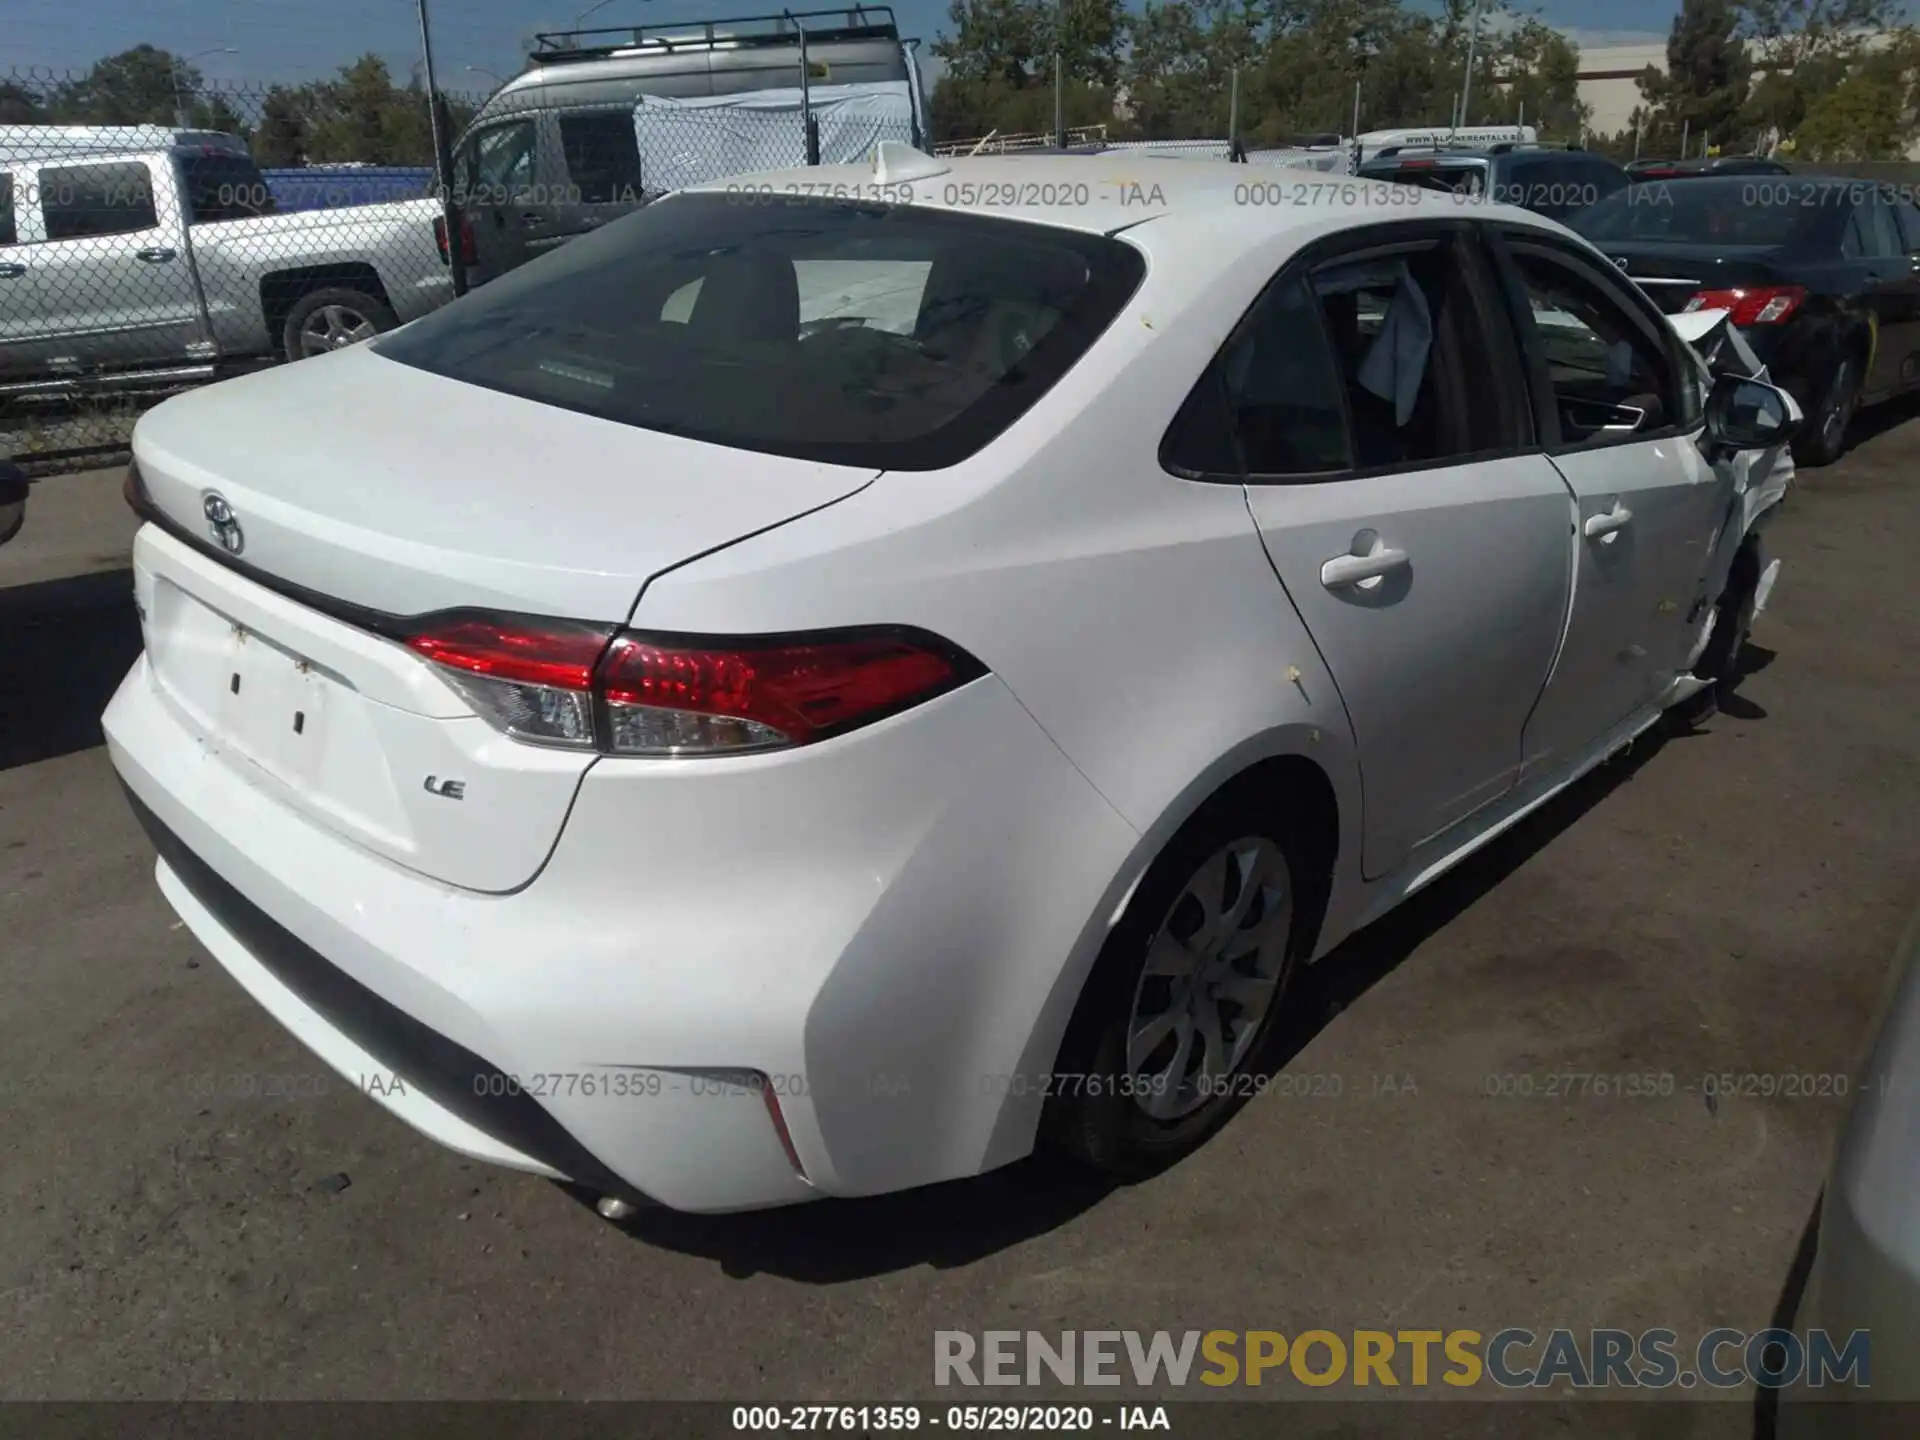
(1821, 274)
(1551, 182)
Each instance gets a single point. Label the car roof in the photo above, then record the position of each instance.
(1223, 206)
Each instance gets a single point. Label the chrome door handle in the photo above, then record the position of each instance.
(11, 271)
(1605, 524)
(155, 254)
(1344, 570)
(530, 218)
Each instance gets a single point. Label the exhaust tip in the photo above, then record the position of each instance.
(612, 1207)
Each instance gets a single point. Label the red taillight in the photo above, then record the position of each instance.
(667, 698)
(532, 679)
(468, 254)
(560, 683)
(1752, 305)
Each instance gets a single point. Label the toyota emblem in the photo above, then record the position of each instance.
(222, 524)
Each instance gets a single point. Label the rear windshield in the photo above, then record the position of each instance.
(1701, 211)
(224, 187)
(857, 334)
(1468, 179)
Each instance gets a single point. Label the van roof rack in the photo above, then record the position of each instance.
(857, 22)
(1506, 147)
(1428, 149)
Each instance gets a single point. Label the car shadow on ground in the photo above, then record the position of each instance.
(956, 1223)
(64, 646)
(1786, 1310)
(1877, 420)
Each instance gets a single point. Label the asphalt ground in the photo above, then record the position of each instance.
(1719, 905)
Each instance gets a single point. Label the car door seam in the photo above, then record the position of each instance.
(1353, 732)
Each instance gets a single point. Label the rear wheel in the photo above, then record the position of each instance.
(333, 319)
(1825, 438)
(1185, 992)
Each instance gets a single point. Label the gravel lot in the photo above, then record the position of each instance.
(1721, 903)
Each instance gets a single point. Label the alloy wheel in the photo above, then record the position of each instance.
(334, 327)
(1212, 974)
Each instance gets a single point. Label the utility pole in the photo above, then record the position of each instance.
(809, 131)
(442, 159)
(1059, 101)
(1233, 117)
(1466, 81)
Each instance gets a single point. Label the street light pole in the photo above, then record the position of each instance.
(588, 11)
(180, 63)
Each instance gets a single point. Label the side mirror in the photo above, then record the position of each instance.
(1745, 414)
(13, 500)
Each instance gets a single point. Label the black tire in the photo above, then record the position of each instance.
(299, 334)
(1733, 622)
(1094, 1114)
(1824, 438)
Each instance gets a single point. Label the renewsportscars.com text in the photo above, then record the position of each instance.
(1511, 1358)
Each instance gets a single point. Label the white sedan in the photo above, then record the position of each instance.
(828, 683)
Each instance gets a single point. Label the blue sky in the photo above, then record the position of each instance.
(302, 39)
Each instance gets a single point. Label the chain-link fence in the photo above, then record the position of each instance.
(155, 237)
(153, 242)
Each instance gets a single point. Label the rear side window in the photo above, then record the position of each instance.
(496, 165)
(1354, 367)
(224, 187)
(83, 202)
(1881, 233)
(853, 334)
(603, 157)
(8, 235)
(1387, 319)
(1270, 402)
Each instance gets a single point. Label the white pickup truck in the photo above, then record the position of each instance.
(140, 255)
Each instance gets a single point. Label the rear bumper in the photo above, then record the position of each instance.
(890, 926)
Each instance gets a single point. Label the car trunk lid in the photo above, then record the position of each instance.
(364, 493)
(402, 491)
(1674, 273)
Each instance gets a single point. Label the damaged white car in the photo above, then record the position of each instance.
(867, 682)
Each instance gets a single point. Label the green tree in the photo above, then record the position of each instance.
(1872, 113)
(1542, 69)
(20, 105)
(140, 86)
(1178, 76)
(1704, 90)
(281, 139)
(1791, 34)
(361, 115)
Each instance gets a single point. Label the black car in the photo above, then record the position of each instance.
(1821, 274)
(1550, 182)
